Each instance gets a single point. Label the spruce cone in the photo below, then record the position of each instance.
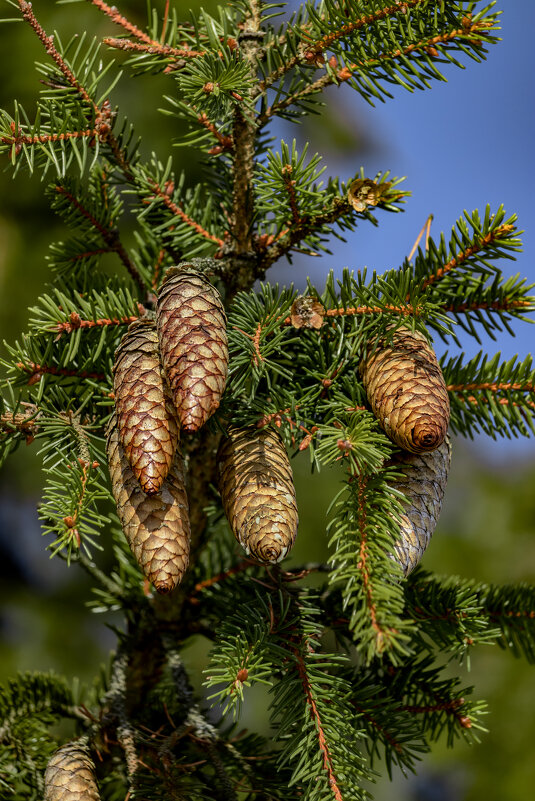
(146, 418)
(70, 775)
(256, 485)
(406, 391)
(193, 343)
(423, 483)
(157, 526)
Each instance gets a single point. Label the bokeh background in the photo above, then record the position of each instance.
(464, 143)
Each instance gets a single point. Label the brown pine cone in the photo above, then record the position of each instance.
(406, 391)
(70, 775)
(256, 485)
(156, 526)
(193, 344)
(146, 417)
(423, 483)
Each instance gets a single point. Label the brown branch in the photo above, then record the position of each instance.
(157, 270)
(38, 370)
(493, 387)
(499, 305)
(495, 235)
(76, 322)
(314, 714)
(48, 43)
(202, 585)
(309, 224)
(381, 729)
(346, 73)
(449, 706)
(225, 142)
(18, 139)
(71, 520)
(25, 423)
(154, 48)
(244, 134)
(355, 25)
(123, 22)
(159, 193)
(109, 235)
(381, 634)
(289, 183)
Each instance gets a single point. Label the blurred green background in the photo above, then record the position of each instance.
(487, 529)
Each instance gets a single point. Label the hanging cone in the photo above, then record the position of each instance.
(193, 344)
(156, 527)
(70, 775)
(256, 485)
(406, 391)
(423, 483)
(146, 418)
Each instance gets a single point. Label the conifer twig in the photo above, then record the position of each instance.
(222, 576)
(493, 236)
(76, 322)
(496, 305)
(492, 387)
(113, 13)
(382, 635)
(315, 715)
(153, 48)
(390, 739)
(38, 370)
(48, 43)
(175, 209)
(109, 235)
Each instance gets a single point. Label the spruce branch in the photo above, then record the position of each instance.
(123, 22)
(154, 48)
(36, 372)
(110, 236)
(339, 76)
(323, 743)
(75, 322)
(173, 207)
(494, 237)
(48, 44)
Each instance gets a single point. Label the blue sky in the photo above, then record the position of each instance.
(461, 144)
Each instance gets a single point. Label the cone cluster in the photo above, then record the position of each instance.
(408, 395)
(256, 485)
(168, 375)
(70, 775)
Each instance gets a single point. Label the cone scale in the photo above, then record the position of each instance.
(407, 392)
(156, 527)
(70, 775)
(256, 485)
(423, 483)
(193, 344)
(146, 419)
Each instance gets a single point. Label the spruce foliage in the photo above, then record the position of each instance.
(353, 656)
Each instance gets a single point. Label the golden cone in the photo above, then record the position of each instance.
(155, 526)
(146, 417)
(70, 775)
(407, 392)
(423, 484)
(256, 485)
(193, 344)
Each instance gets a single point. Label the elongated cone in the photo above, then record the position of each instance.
(423, 483)
(146, 417)
(256, 485)
(406, 391)
(70, 775)
(193, 344)
(155, 526)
